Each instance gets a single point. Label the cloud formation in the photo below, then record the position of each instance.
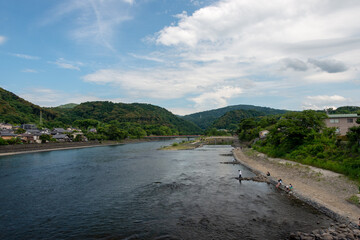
(50, 98)
(330, 66)
(235, 48)
(92, 20)
(25, 56)
(295, 64)
(62, 63)
(321, 102)
(217, 98)
(2, 39)
(28, 70)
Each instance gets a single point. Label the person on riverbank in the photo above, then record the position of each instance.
(268, 174)
(279, 183)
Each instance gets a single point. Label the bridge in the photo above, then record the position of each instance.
(171, 137)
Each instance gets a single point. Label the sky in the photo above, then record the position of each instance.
(184, 55)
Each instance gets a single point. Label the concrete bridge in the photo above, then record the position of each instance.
(171, 137)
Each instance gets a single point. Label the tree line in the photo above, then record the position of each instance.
(303, 137)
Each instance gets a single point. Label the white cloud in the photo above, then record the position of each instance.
(51, 98)
(216, 99)
(324, 101)
(25, 56)
(62, 63)
(260, 48)
(2, 39)
(92, 20)
(327, 99)
(28, 70)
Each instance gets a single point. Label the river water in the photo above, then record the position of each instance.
(135, 191)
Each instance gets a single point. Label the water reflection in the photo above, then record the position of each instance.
(138, 192)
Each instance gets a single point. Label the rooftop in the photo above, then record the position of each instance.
(342, 115)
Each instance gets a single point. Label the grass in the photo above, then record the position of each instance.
(354, 199)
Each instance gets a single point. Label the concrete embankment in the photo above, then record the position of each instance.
(28, 148)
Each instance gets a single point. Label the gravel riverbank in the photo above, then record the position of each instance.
(325, 190)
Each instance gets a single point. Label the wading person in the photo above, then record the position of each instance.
(240, 175)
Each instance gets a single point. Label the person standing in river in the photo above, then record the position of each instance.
(240, 174)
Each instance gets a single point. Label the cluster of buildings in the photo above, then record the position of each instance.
(32, 133)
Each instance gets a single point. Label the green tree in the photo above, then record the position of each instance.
(86, 124)
(3, 142)
(45, 137)
(20, 131)
(295, 128)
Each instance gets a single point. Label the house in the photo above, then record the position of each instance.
(93, 130)
(30, 138)
(61, 138)
(81, 136)
(8, 135)
(5, 126)
(28, 126)
(58, 131)
(263, 134)
(342, 122)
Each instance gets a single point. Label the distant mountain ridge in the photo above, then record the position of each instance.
(344, 110)
(68, 105)
(205, 119)
(231, 119)
(14, 109)
(141, 113)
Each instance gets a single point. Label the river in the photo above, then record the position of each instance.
(136, 191)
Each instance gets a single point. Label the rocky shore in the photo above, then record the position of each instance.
(326, 191)
(335, 231)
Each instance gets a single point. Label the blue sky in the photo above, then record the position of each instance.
(184, 55)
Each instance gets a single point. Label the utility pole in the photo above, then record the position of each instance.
(41, 118)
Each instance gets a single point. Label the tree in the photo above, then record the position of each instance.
(87, 123)
(294, 128)
(45, 138)
(354, 137)
(20, 131)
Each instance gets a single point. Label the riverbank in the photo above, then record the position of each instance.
(325, 190)
(33, 148)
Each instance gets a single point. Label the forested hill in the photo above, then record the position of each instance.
(231, 120)
(14, 109)
(344, 110)
(206, 119)
(131, 113)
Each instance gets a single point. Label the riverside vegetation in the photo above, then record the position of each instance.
(303, 137)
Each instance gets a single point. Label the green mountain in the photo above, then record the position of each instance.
(345, 110)
(126, 113)
(69, 105)
(205, 119)
(14, 109)
(231, 119)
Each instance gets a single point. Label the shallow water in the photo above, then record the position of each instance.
(135, 191)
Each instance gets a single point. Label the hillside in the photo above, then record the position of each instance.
(206, 119)
(69, 105)
(233, 118)
(14, 109)
(345, 110)
(131, 113)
